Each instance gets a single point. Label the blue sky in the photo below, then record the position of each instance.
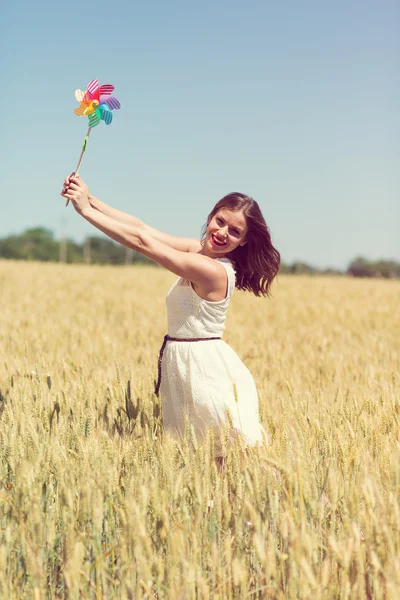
(296, 104)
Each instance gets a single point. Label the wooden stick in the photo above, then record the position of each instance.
(81, 157)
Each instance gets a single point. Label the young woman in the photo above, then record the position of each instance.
(200, 378)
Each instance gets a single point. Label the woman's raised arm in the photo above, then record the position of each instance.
(179, 243)
(207, 273)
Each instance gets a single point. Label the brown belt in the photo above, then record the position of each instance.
(167, 338)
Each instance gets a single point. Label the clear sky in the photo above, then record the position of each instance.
(294, 103)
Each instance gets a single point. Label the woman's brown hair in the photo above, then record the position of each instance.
(257, 262)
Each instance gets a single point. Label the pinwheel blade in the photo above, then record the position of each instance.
(94, 118)
(106, 89)
(80, 111)
(106, 114)
(81, 96)
(93, 89)
(111, 102)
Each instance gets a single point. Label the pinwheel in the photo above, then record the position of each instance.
(97, 104)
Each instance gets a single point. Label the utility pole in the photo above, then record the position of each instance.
(62, 257)
(128, 256)
(87, 251)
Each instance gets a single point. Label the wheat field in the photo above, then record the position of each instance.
(96, 502)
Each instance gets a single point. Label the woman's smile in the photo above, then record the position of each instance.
(218, 241)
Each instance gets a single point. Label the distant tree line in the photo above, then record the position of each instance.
(359, 267)
(39, 244)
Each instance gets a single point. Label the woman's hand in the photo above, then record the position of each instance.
(77, 191)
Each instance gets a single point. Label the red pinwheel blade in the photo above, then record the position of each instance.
(93, 89)
(111, 102)
(106, 89)
(106, 113)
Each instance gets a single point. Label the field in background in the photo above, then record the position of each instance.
(95, 502)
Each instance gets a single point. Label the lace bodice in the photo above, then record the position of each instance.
(192, 316)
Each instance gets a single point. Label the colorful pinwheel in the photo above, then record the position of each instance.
(96, 103)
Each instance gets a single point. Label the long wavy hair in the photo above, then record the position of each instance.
(257, 262)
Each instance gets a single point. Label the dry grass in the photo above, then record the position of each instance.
(95, 502)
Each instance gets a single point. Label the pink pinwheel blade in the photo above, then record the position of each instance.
(106, 89)
(111, 102)
(93, 89)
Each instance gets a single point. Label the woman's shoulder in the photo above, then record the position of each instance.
(227, 261)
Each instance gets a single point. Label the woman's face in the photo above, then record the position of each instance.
(226, 231)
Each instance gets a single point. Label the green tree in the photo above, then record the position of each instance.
(34, 244)
(361, 267)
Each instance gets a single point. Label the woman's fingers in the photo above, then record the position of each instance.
(76, 181)
(67, 182)
(73, 187)
(68, 179)
(76, 184)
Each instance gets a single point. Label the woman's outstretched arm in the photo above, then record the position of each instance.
(179, 243)
(114, 213)
(209, 274)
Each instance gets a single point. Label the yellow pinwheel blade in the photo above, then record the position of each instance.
(80, 111)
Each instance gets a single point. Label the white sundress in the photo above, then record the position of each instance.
(202, 380)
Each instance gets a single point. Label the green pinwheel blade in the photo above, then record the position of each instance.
(94, 118)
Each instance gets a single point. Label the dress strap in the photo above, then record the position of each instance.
(230, 271)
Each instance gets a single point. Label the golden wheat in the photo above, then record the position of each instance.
(96, 502)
